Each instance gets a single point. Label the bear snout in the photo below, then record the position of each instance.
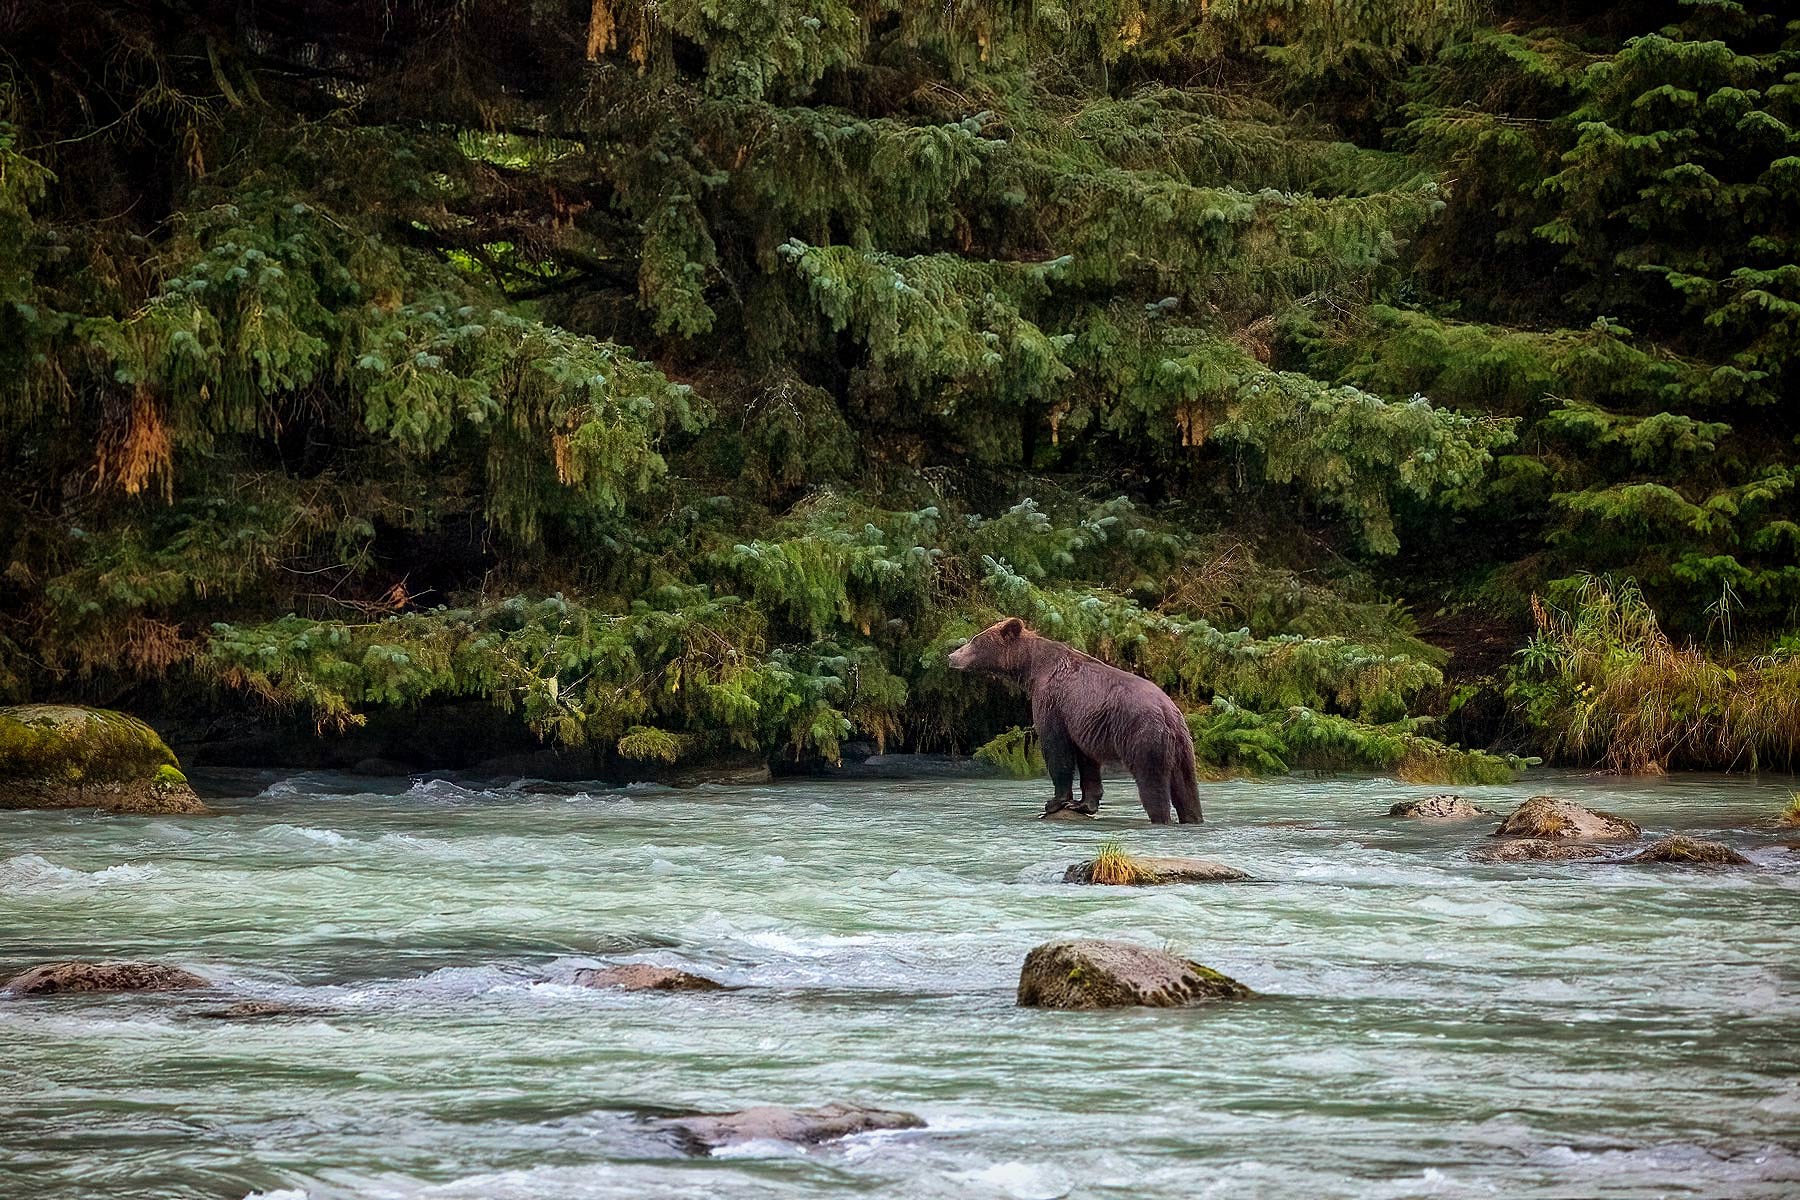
(960, 657)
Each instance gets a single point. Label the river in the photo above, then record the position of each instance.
(1429, 1027)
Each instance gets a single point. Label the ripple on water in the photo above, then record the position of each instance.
(35, 875)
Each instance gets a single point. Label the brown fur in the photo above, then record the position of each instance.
(1087, 714)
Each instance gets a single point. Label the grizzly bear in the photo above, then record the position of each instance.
(1088, 713)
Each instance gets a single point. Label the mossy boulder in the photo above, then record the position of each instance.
(48, 979)
(1552, 817)
(1687, 851)
(1439, 808)
(1155, 869)
(66, 756)
(1085, 973)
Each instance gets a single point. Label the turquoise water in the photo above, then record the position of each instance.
(1430, 1026)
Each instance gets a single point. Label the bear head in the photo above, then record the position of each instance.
(999, 649)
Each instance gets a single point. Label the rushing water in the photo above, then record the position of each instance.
(1430, 1026)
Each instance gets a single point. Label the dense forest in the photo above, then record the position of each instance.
(1402, 384)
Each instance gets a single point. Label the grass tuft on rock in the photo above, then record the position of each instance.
(1789, 817)
(1113, 865)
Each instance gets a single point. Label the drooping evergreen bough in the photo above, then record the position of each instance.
(685, 376)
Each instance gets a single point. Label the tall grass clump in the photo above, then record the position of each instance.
(1605, 685)
(1113, 865)
(1790, 816)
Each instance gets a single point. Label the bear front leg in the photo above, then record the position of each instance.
(1059, 757)
(1090, 782)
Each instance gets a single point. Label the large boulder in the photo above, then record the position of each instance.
(1689, 851)
(65, 756)
(1090, 973)
(643, 977)
(1439, 808)
(702, 1133)
(1551, 817)
(1509, 850)
(48, 979)
(1153, 869)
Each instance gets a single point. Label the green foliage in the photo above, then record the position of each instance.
(1125, 317)
(1016, 752)
(1234, 740)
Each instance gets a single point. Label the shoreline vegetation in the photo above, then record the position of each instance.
(1404, 387)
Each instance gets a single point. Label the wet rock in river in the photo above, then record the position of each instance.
(702, 1133)
(257, 1010)
(1066, 814)
(1506, 850)
(66, 756)
(1691, 851)
(1551, 817)
(643, 977)
(1439, 808)
(1082, 973)
(730, 773)
(51, 978)
(1152, 870)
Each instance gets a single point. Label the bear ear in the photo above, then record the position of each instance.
(1012, 629)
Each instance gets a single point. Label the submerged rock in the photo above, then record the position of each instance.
(1152, 870)
(1066, 814)
(1540, 850)
(1085, 973)
(643, 977)
(730, 774)
(256, 1010)
(702, 1133)
(1693, 851)
(48, 979)
(66, 756)
(1551, 817)
(1439, 808)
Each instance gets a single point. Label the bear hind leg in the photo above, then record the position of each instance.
(1153, 792)
(1185, 792)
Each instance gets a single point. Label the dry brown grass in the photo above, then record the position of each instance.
(1616, 689)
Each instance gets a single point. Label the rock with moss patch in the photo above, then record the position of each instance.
(66, 756)
(1439, 808)
(1689, 851)
(1153, 870)
(702, 1133)
(644, 977)
(1084, 973)
(48, 979)
(1509, 850)
(1552, 817)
